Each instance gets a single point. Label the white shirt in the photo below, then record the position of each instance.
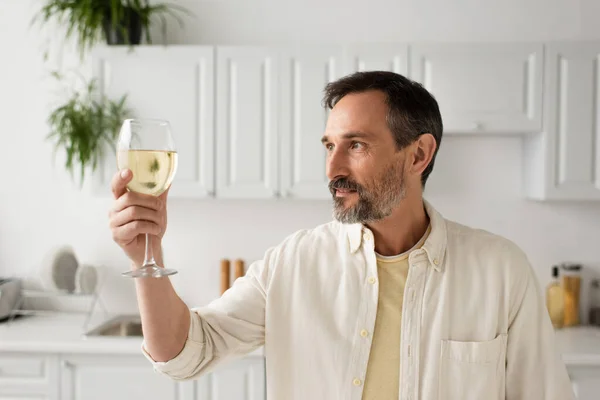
(474, 323)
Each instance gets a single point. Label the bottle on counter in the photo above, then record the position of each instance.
(594, 313)
(239, 270)
(555, 300)
(571, 284)
(225, 275)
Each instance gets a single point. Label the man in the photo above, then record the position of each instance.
(389, 301)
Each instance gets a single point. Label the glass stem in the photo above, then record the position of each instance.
(149, 257)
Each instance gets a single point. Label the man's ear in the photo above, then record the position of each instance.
(422, 151)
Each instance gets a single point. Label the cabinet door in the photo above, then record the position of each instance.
(247, 111)
(305, 72)
(28, 377)
(483, 88)
(172, 83)
(240, 380)
(115, 378)
(566, 159)
(585, 381)
(376, 57)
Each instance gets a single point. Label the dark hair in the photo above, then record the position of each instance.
(412, 112)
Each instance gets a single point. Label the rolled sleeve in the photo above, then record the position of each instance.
(184, 365)
(230, 326)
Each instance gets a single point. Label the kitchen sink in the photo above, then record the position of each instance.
(122, 325)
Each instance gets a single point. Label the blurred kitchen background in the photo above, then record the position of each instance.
(518, 87)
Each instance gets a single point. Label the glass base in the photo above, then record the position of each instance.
(149, 271)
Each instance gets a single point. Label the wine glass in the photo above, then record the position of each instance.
(147, 148)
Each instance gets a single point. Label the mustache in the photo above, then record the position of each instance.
(344, 183)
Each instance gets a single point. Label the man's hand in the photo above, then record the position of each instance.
(135, 214)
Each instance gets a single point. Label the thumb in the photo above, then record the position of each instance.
(120, 181)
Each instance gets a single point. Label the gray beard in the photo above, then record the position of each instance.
(373, 204)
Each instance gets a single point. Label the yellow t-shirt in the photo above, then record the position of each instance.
(382, 380)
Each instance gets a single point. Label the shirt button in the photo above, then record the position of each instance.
(364, 333)
(436, 261)
(372, 280)
(367, 236)
(356, 382)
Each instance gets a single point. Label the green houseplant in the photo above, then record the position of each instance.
(115, 21)
(85, 125)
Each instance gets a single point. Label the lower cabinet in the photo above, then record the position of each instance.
(31, 376)
(117, 377)
(26, 376)
(586, 382)
(244, 379)
(114, 377)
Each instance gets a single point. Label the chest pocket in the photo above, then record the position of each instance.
(472, 370)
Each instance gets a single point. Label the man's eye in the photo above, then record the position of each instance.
(329, 146)
(357, 145)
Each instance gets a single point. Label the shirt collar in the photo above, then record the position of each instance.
(434, 246)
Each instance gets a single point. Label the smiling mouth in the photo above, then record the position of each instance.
(344, 192)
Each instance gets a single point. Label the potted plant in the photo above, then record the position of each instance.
(115, 21)
(85, 125)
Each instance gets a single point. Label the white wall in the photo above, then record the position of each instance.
(476, 180)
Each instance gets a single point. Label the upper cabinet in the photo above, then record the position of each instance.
(377, 57)
(564, 162)
(304, 73)
(248, 120)
(483, 88)
(247, 115)
(175, 84)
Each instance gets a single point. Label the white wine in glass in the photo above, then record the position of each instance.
(146, 147)
(153, 170)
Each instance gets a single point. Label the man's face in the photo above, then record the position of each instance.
(365, 169)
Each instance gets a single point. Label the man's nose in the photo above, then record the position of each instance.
(337, 165)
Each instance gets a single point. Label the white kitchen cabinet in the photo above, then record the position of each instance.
(376, 57)
(304, 73)
(240, 380)
(248, 120)
(172, 83)
(247, 114)
(28, 377)
(564, 162)
(93, 377)
(483, 88)
(586, 381)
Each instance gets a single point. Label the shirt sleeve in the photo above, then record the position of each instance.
(228, 327)
(534, 370)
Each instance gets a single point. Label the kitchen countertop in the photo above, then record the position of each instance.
(579, 346)
(63, 333)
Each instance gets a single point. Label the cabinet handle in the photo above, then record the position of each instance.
(281, 194)
(476, 126)
(210, 193)
(66, 364)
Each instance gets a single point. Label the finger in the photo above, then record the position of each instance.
(119, 182)
(136, 213)
(126, 233)
(130, 199)
(164, 195)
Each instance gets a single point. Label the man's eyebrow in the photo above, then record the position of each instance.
(347, 135)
